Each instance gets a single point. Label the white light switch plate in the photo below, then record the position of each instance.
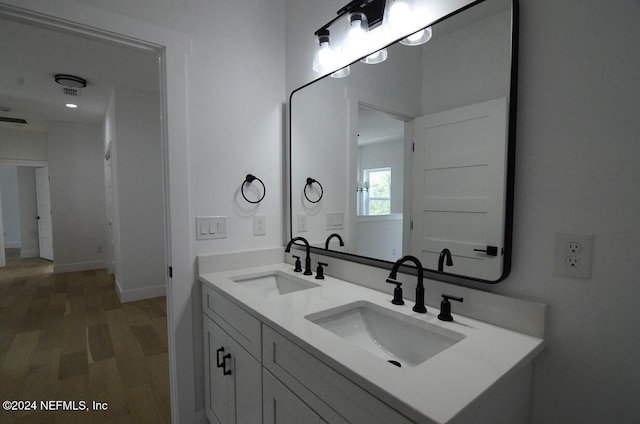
(335, 221)
(211, 227)
(573, 255)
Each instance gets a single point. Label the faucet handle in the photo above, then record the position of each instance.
(397, 292)
(445, 307)
(320, 271)
(298, 267)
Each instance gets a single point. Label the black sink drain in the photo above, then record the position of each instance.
(396, 363)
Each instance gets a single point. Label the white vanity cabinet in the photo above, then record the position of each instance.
(290, 386)
(233, 376)
(332, 396)
(281, 406)
(286, 368)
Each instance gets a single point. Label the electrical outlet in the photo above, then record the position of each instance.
(259, 225)
(574, 247)
(302, 222)
(573, 255)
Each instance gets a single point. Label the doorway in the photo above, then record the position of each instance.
(60, 160)
(21, 236)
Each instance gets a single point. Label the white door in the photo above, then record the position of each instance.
(458, 172)
(43, 198)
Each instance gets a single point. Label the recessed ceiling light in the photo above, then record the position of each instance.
(71, 105)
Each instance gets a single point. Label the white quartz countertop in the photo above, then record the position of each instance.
(437, 389)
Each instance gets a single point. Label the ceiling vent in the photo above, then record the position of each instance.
(13, 120)
(68, 91)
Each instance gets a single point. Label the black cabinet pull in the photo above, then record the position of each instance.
(226, 371)
(219, 363)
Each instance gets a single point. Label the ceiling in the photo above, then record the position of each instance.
(378, 127)
(32, 55)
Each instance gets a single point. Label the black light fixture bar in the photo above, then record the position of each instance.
(372, 9)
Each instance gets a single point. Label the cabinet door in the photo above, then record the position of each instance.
(281, 406)
(233, 379)
(216, 385)
(246, 382)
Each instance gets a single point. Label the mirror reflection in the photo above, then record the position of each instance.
(413, 154)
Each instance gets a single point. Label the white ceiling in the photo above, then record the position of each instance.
(378, 127)
(30, 56)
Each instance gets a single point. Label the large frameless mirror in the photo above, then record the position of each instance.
(414, 155)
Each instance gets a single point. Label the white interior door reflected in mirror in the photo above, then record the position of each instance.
(458, 169)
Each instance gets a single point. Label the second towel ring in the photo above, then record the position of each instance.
(310, 181)
(249, 179)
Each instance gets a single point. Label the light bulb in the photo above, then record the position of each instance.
(357, 32)
(325, 58)
(399, 14)
(376, 57)
(418, 38)
(341, 73)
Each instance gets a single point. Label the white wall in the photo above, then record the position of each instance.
(18, 146)
(77, 197)
(10, 206)
(28, 212)
(577, 170)
(133, 128)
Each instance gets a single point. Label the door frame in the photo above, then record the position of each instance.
(173, 48)
(16, 162)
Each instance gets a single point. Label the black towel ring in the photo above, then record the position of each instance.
(310, 181)
(249, 179)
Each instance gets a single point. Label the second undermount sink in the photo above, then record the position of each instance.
(400, 339)
(273, 283)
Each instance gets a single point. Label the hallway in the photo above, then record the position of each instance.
(66, 337)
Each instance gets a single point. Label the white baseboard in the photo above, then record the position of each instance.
(134, 295)
(78, 266)
(29, 253)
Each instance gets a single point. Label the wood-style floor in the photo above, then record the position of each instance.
(67, 337)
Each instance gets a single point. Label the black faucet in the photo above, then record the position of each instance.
(326, 243)
(307, 261)
(419, 306)
(446, 253)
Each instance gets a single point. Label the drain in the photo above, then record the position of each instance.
(396, 363)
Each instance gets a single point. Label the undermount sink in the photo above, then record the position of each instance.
(399, 339)
(274, 283)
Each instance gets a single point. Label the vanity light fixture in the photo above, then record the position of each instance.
(364, 15)
(71, 105)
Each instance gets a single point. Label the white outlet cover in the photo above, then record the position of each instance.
(573, 255)
(259, 225)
